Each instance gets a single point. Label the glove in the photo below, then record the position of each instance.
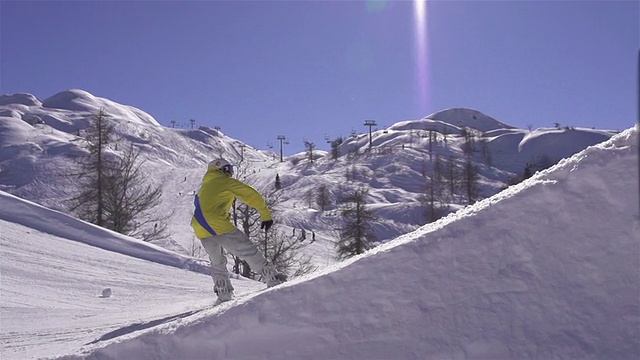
(266, 225)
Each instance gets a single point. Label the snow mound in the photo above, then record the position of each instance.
(425, 124)
(74, 100)
(474, 119)
(514, 149)
(22, 99)
(81, 101)
(451, 121)
(561, 142)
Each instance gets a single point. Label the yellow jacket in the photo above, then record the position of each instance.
(213, 201)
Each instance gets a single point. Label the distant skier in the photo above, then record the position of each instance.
(213, 227)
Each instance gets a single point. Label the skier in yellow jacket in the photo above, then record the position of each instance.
(212, 225)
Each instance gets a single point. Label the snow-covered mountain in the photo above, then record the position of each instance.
(39, 138)
(546, 269)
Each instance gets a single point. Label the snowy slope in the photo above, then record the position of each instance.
(38, 141)
(545, 269)
(54, 269)
(31, 215)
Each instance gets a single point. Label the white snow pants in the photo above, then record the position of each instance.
(238, 244)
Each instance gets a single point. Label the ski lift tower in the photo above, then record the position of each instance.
(370, 123)
(282, 139)
(242, 146)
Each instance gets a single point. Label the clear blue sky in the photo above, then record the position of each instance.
(306, 69)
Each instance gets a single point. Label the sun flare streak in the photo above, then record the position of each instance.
(421, 55)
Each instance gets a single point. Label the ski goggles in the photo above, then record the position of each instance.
(227, 169)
